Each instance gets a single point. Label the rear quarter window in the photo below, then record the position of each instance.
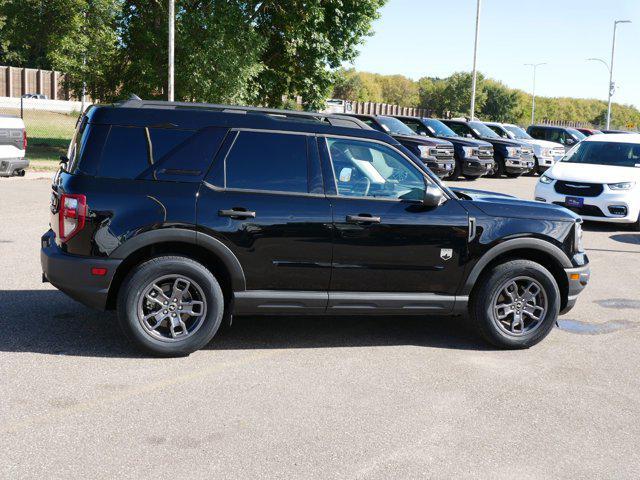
(125, 153)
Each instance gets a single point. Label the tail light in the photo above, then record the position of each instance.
(73, 211)
(24, 139)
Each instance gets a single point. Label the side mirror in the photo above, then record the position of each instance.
(64, 159)
(468, 135)
(570, 141)
(423, 134)
(433, 196)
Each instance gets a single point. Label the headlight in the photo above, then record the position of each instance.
(512, 151)
(577, 238)
(469, 152)
(546, 152)
(621, 185)
(546, 179)
(425, 152)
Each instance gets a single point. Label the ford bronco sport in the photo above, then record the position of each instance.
(182, 215)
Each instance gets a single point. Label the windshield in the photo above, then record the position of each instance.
(518, 132)
(394, 126)
(579, 135)
(439, 129)
(605, 153)
(482, 130)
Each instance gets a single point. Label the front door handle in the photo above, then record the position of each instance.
(362, 218)
(237, 213)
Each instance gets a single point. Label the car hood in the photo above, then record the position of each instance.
(505, 142)
(542, 143)
(500, 205)
(467, 142)
(422, 140)
(580, 172)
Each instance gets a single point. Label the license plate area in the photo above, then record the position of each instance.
(574, 202)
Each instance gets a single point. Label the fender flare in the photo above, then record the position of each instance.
(510, 245)
(209, 243)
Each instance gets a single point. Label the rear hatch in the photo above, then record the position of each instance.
(13, 137)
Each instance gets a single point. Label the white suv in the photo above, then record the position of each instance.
(599, 179)
(13, 144)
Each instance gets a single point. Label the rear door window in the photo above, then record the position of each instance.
(268, 161)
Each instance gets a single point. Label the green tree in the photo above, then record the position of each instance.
(457, 93)
(501, 103)
(399, 90)
(304, 40)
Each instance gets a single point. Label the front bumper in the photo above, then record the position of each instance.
(442, 168)
(518, 165)
(72, 274)
(545, 162)
(596, 209)
(475, 167)
(10, 167)
(578, 279)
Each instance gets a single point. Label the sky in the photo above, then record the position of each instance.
(434, 38)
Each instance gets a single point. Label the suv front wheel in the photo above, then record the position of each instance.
(516, 305)
(170, 306)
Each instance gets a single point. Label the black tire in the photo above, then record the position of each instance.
(472, 178)
(457, 171)
(513, 175)
(483, 314)
(535, 169)
(498, 169)
(139, 279)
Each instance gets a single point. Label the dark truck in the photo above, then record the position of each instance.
(474, 158)
(438, 155)
(512, 158)
(181, 215)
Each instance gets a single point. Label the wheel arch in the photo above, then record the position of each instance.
(536, 250)
(201, 247)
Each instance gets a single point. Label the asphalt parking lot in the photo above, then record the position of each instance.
(315, 398)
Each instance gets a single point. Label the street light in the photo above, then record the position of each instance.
(475, 58)
(533, 99)
(610, 68)
(171, 42)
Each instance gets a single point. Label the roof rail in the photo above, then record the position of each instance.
(135, 102)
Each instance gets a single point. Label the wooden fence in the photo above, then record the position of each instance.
(372, 108)
(15, 82)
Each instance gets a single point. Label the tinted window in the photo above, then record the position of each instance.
(163, 140)
(181, 155)
(268, 161)
(125, 153)
(366, 169)
(394, 126)
(460, 128)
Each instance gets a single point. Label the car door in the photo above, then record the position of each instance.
(390, 252)
(264, 199)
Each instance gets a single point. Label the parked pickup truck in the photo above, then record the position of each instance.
(545, 153)
(13, 144)
(436, 154)
(474, 158)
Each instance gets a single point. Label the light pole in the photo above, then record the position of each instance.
(533, 99)
(172, 7)
(475, 58)
(610, 68)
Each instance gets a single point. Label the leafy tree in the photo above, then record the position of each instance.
(303, 38)
(457, 93)
(399, 90)
(501, 104)
(88, 51)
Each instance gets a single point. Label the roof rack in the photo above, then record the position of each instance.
(135, 102)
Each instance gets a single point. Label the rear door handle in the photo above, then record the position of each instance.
(237, 213)
(362, 218)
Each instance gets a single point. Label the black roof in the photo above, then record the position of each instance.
(148, 113)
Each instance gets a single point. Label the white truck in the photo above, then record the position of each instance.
(13, 145)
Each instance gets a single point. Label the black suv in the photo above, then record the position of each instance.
(512, 158)
(567, 136)
(437, 154)
(474, 158)
(181, 215)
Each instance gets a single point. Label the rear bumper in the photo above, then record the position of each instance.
(12, 166)
(578, 279)
(71, 274)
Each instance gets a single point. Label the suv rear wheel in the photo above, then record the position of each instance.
(516, 305)
(170, 306)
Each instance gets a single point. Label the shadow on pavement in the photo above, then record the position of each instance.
(630, 238)
(48, 322)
